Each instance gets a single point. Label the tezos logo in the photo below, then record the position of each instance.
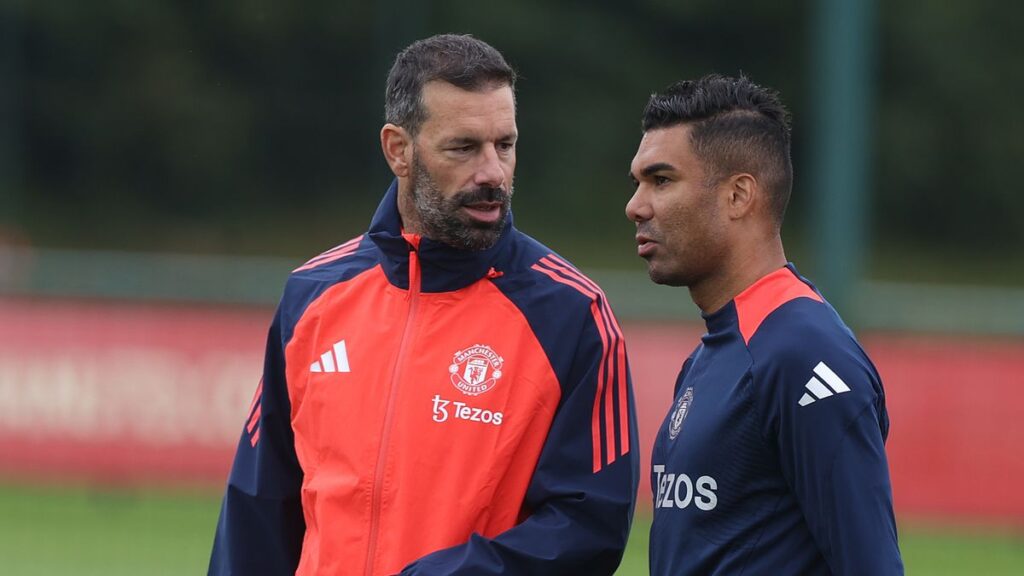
(462, 411)
(678, 490)
(476, 369)
(679, 414)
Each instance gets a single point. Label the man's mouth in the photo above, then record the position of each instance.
(484, 211)
(644, 245)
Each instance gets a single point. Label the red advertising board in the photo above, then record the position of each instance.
(124, 392)
(142, 393)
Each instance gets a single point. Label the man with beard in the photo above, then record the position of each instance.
(771, 459)
(443, 394)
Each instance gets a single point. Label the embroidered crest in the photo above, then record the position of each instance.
(476, 369)
(679, 414)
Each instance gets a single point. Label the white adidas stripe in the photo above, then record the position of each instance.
(830, 378)
(342, 355)
(328, 360)
(817, 388)
(334, 360)
(833, 384)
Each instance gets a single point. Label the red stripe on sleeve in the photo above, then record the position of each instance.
(331, 255)
(595, 425)
(253, 415)
(607, 321)
(338, 248)
(620, 352)
(255, 418)
(623, 400)
(612, 378)
(603, 375)
(255, 398)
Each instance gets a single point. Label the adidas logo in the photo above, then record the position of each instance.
(819, 390)
(334, 360)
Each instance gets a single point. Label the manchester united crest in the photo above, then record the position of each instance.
(679, 414)
(476, 369)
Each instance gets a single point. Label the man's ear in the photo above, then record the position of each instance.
(396, 143)
(744, 193)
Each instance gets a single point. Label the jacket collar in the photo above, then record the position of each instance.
(443, 267)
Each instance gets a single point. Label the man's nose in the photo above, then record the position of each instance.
(637, 208)
(491, 171)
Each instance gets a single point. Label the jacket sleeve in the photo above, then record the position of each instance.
(581, 496)
(830, 423)
(261, 524)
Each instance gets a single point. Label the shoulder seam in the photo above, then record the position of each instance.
(766, 296)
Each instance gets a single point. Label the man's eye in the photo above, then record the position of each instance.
(659, 180)
(506, 146)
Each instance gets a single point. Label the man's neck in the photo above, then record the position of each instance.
(407, 212)
(738, 273)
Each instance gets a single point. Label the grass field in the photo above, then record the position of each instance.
(49, 530)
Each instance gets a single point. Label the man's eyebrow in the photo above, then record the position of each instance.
(656, 167)
(461, 141)
(471, 141)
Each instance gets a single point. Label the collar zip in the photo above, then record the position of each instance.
(414, 262)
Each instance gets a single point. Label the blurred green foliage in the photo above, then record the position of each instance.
(253, 127)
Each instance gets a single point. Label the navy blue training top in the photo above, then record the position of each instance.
(771, 459)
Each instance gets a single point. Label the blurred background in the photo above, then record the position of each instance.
(164, 165)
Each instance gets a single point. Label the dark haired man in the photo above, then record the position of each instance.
(443, 394)
(771, 459)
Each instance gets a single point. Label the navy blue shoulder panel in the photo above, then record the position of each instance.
(308, 282)
(801, 331)
(571, 319)
(798, 327)
(804, 353)
(556, 300)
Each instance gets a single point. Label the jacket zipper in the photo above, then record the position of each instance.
(396, 373)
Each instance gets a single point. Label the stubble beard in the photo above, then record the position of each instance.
(442, 219)
(657, 273)
(691, 263)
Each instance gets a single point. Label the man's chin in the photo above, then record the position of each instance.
(473, 237)
(483, 239)
(659, 276)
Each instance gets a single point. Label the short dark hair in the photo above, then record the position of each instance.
(458, 59)
(736, 126)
